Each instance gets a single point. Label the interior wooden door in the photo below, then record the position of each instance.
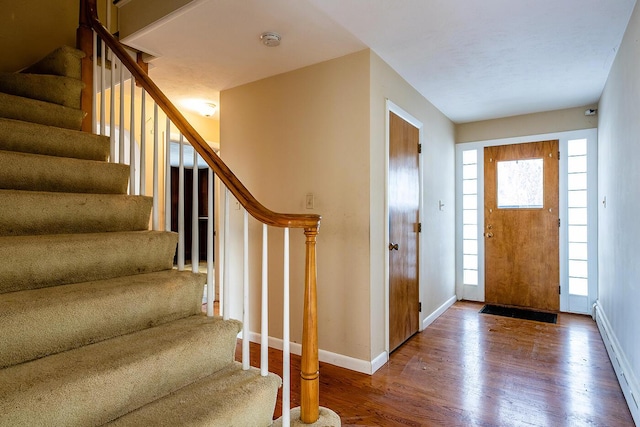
(522, 262)
(404, 203)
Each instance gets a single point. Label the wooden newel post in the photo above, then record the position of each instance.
(84, 42)
(310, 373)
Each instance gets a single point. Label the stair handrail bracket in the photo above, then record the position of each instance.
(90, 26)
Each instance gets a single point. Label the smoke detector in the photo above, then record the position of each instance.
(270, 39)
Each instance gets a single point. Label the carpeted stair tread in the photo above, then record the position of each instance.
(95, 324)
(32, 262)
(36, 212)
(36, 323)
(44, 113)
(97, 383)
(35, 172)
(26, 137)
(219, 400)
(64, 61)
(59, 90)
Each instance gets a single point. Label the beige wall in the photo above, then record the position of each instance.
(307, 131)
(528, 124)
(437, 260)
(618, 225)
(321, 130)
(31, 29)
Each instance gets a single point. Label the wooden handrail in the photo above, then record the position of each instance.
(244, 197)
(309, 401)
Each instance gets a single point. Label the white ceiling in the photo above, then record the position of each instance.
(474, 60)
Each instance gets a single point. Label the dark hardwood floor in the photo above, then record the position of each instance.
(472, 369)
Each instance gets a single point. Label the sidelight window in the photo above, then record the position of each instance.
(577, 217)
(470, 217)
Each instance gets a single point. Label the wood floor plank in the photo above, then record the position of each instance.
(472, 369)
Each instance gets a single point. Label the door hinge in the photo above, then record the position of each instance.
(559, 290)
(419, 148)
(420, 307)
(419, 227)
(558, 222)
(558, 154)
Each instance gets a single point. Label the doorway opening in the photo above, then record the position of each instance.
(577, 213)
(202, 182)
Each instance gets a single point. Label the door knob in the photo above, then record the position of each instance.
(489, 235)
(393, 246)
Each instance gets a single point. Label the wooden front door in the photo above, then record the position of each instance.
(522, 262)
(404, 203)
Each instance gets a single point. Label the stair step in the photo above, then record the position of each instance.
(33, 138)
(35, 172)
(64, 61)
(219, 400)
(55, 89)
(94, 384)
(50, 320)
(44, 113)
(35, 212)
(32, 262)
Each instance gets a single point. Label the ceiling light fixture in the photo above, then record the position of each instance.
(203, 107)
(270, 39)
(208, 109)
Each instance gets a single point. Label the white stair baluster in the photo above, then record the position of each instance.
(112, 111)
(121, 123)
(224, 295)
(181, 205)
(156, 153)
(286, 355)
(94, 59)
(264, 311)
(211, 294)
(103, 95)
(245, 292)
(132, 139)
(142, 176)
(195, 217)
(167, 177)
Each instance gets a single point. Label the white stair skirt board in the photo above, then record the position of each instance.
(626, 377)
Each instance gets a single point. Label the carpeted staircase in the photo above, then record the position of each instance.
(96, 327)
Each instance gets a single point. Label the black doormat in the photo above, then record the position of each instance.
(519, 313)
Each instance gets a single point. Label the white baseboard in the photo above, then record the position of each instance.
(336, 359)
(358, 365)
(433, 316)
(379, 361)
(626, 377)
